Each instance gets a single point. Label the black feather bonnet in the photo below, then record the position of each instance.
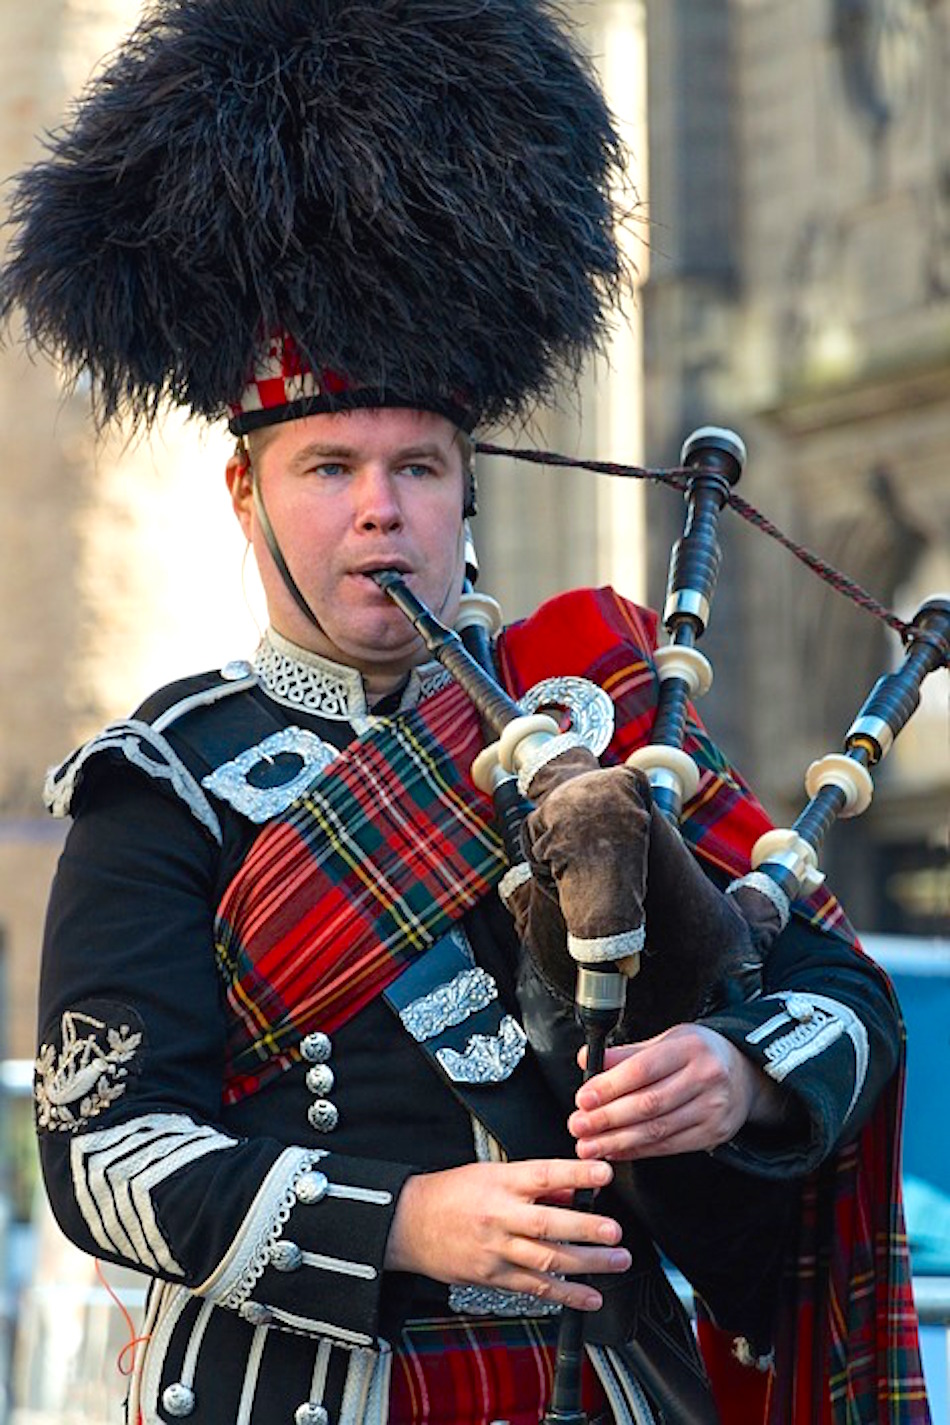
(416, 199)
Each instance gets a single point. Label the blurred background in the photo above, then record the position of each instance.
(793, 158)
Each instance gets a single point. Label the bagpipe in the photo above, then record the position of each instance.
(581, 901)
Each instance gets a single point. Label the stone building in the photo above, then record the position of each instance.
(105, 548)
(799, 290)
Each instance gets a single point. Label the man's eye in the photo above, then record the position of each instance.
(328, 469)
(418, 471)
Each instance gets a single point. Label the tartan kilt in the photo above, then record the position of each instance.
(469, 1371)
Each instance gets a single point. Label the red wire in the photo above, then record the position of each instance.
(134, 1340)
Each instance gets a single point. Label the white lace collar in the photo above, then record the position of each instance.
(300, 679)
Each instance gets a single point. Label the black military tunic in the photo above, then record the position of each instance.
(264, 1222)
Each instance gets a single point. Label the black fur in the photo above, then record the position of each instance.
(422, 192)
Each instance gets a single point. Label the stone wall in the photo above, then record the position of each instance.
(826, 342)
(107, 548)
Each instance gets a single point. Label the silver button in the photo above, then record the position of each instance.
(178, 1400)
(286, 1257)
(320, 1079)
(800, 1008)
(311, 1187)
(256, 1313)
(323, 1115)
(236, 669)
(316, 1047)
(308, 1414)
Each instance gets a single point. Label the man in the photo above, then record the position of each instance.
(383, 489)
(282, 1061)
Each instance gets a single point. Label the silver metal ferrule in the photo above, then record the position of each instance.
(880, 732)
(687, 601)
(600, 989)
(663, 778)
(790, 860)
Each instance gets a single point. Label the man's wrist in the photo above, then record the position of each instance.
(769, 1104)
(399, 1255)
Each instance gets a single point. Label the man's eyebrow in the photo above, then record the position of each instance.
(321, 450)
(428, 451)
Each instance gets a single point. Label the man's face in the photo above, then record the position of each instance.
(348, 493)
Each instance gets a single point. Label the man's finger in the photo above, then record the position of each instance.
(541, 1178)
(633, 1068)
(570, 1259)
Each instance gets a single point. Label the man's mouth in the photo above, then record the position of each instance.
(395, 566)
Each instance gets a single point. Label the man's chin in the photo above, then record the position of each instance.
(390, 647)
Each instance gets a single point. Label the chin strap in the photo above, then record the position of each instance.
(270, 538)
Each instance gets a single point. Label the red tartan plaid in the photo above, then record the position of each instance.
(390, 845)
(469, 1371)
(852, 1275)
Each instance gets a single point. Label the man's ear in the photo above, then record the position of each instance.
(240, 487)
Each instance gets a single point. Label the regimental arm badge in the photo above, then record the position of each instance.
(87, 1066)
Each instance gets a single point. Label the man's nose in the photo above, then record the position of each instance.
(377, 503)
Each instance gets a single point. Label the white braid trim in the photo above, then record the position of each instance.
(759, 881)
(130, 738)
(563, 742)
(810, 1024)
(167, 1304)
(235, 1277)
(624, 1392)
(511, 880)
(603, 949)
(366, 1391)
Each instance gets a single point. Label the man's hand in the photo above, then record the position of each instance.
(687, 1090)
(505, 1225)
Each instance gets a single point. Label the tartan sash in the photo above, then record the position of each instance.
(388, 847)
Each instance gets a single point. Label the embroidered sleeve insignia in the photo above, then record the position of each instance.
(87, 1066)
